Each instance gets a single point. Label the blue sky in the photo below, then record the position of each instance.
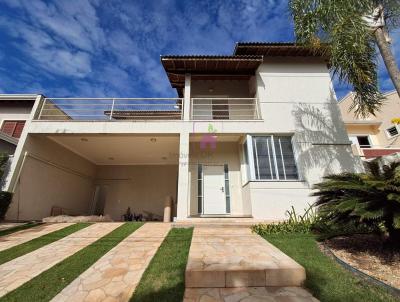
(85, 48)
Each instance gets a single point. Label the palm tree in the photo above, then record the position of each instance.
(349, 31)
(371, 198)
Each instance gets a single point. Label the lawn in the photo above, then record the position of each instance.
(164, 278)
(19, 228)
(27, 247)
(49, 283)
(328, 281)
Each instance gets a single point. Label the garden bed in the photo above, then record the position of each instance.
(366, 253)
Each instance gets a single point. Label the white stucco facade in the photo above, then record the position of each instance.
(295, 98)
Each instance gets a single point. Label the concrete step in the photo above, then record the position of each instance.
(235, 257)
(289, 294)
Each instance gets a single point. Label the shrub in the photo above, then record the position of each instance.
(295, 224)
(3, 163)
(370, 199)
(5, 200)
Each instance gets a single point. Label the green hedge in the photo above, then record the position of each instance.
(5, 200)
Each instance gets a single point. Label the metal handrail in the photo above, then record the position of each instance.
(225, 109)
(111, 109)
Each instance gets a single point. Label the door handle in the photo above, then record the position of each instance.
(222, 189)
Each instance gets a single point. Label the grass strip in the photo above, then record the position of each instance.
(164, 278)
(34, 244)
(326, 279)
(19, 228)
(48, 284)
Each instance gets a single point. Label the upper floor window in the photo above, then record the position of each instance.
(273, 158)
(392, 131)
(12, 128)
(362, 140)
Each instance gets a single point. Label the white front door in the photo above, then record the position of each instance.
(214, 190)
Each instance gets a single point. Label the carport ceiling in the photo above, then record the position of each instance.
(122, 150)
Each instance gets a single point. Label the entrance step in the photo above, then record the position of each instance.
(219, 222)
(278, 294)
(232, 256)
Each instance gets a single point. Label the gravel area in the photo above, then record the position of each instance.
(366, 252)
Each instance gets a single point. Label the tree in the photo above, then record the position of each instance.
(371, 198)
(348, 31)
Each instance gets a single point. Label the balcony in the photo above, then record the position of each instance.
(140, 109)
(225, 109)
(372, 151)
(110, 109)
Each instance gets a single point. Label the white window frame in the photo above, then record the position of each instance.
(358, 145)
(388, 134)
(252, 166)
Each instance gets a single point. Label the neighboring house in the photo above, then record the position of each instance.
(373, 136)
(15, 109)
(248, 136)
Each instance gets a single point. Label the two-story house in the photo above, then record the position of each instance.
(247, 136)
(373, 136)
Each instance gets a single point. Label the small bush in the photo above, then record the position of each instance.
(295, 224)
(5, 200)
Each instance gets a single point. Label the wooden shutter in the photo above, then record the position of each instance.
(18, 129)
(13, 128)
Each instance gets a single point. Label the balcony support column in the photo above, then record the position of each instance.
(183, 177)
(11, 179)
(186, 99)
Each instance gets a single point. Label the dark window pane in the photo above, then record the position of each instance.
(263, 157)
(285, 158)
(199, 205)
(363, 141)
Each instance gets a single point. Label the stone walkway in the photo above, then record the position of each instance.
(23, 236)
(248, 294)
(115, 276)
(20, 270)
(9, 225)
(235, 257)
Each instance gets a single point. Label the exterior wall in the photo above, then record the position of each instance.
(14, 112)
(382, 120)
(140, 187)
(51, 176)
(221, 88)
(271, 200)
(297, 97)
(224, 153)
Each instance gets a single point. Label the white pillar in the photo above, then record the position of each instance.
(186, 99)
(183, 176)
(17, 161)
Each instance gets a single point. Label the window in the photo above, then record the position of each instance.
(227, 190)
(273, 158)
(200, 189)
(13, 128)
(392, 131)
(363, 141)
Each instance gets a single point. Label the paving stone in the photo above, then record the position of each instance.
(22, 269)
(115, 276)
(238, 257)
(23, 236)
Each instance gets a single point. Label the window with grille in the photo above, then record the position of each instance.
(273, 158)
(12, 128)
(392, 131)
